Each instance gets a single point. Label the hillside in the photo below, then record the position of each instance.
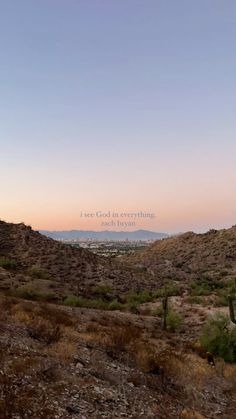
(101, 350)
(72, 363)
(190, 256)
(54, 267)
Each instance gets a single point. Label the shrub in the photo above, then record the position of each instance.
(206, 285)
(222, 300)
(7, 263)
(222, 294)
(121, 339)
(103, 289)
(200, 289)
(38, 273)
(31, 293)
(28, 293)
(169, 289)
(194, 299)
(133, 307)
(99, 304)
(71, 300)
(158, 311)
(141, 297)
(115, 305)
(65, 351)
(219, 338)
(174, 321)
(44, 331)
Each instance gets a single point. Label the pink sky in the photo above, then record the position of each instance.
(121, 106)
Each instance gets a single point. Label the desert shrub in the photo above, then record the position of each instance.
(100, 304)
(102, 289)
(221, 299)
(132, 306)
(174, 321)
(219, 337)
(141, 297)
(43, 331)
(38, 273)
(164, 367)
(206, 285)
(170, 289)
(194, 299)
(55, 315)
(222, 294)
(115, 305)
(158, 311)
(133, 298)
(30, 293)
(200, 289)
(24, 312)
(71, 300)
(64, 351)
(121, 339)
(7, 263)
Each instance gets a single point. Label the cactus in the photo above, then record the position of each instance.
(165, 309)
(231, 309)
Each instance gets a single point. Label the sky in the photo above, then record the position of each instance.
(121, 106)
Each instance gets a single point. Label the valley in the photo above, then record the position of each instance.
(85, 335)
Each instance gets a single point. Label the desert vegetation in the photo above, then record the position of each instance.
(89, 342)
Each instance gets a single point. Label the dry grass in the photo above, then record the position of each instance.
(63, 351)
(151, 365)
(121, 339)
(44, 331)
(44, 311)
(190, 414)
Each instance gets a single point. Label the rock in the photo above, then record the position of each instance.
(72, 409)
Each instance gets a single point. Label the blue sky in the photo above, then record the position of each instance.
(118, 104)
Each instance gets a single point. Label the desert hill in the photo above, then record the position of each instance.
(190, 256)
(115, 359)
(57, 267)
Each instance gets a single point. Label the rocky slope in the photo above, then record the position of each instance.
(58, 268)
(190, 256)
(59, 362)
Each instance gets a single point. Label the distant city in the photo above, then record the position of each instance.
(105, 235)
(107, 243)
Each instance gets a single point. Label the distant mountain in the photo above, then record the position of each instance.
(104, 235)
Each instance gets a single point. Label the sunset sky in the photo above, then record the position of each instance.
(122, 106)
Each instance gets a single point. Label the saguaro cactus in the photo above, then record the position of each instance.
(165, 309)
(231, 309)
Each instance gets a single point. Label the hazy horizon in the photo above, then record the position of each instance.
(130, 230)
(125, 106)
